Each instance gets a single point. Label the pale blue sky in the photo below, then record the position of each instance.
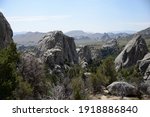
(87, 15)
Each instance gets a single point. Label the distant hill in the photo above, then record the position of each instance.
(79, 34)
(29, 38)
(145, 33)
(32, 38)
(18, 33)
(76, 33)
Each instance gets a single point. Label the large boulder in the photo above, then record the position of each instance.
(5, 32)
(122, 89)
(109, 48)
(85, 54)
(135, 50)
(57, 49)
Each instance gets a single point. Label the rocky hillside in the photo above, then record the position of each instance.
(145, 33)
(5, 32)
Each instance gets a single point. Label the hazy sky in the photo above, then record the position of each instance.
(87, 15)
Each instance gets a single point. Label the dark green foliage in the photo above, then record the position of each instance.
(79, 92)
(23, 90)
(17, 84)
(103, 75)
(94, 65)
(8, 71)
(130, 74)
(108, 69)
(74, 71)
(77, 85)
(97, 81)
(54, 79)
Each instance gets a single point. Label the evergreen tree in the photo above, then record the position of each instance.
(108, 69)
(8, 71)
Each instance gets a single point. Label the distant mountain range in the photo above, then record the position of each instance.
(78, 34)
(32, 38)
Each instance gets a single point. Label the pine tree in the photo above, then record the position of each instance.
(8, 71)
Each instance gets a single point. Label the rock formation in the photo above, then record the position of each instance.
(122, 89)
(109, 48)
(147, 73)
(144, 63)
(85, 54)
(144, 66)
(5, 32)
(105, 37)
(134, 50)
(57, 49)
(145, 87)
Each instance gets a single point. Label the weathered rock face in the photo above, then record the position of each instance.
(145, 87)
(122, 89)
(135, 50)
(85, 54)
(57, 48)
(5, 32)
(147, 73)
(111, 47)
(144, 63)
(144, 66)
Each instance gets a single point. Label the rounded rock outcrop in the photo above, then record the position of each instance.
(122, 89)
(135, 50)
(57, 49)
